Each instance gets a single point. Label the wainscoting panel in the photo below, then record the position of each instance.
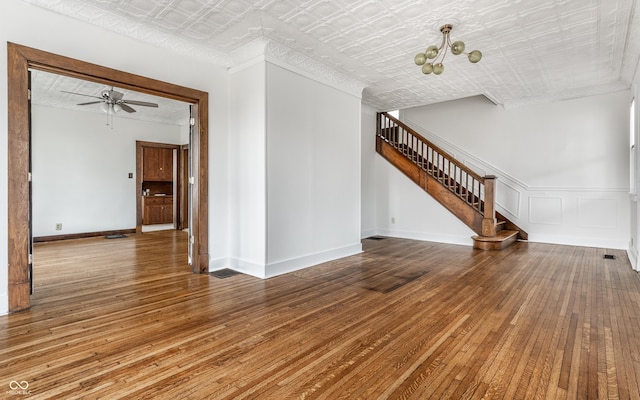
(597, 213)
(508, 198)
(545, 210)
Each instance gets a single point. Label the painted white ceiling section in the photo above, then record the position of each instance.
(533, 51)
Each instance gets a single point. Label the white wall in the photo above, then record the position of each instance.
(31, 26)
(369, 222)
(563, 170)
(81, 167)
(247, 175)
(313, 172)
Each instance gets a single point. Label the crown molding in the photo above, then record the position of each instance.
(284, 56)
(273, 52)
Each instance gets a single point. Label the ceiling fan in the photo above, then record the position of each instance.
(113, 101)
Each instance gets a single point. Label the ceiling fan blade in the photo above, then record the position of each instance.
(126, 108)
(140, 103)
(90, 102)
(82, 94)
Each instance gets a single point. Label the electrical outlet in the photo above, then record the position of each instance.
(59, 227)
(393, 220)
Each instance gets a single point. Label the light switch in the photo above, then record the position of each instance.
(130, 175)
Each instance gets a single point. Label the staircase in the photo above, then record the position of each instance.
(464, 193)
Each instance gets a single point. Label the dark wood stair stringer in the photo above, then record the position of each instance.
(494, 230)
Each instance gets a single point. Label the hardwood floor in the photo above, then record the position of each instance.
(125, 318)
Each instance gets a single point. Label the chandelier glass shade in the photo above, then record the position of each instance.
(432, 59)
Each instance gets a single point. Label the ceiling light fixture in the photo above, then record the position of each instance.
(438, 53)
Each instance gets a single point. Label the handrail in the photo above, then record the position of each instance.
(476, 191)
(431, 145)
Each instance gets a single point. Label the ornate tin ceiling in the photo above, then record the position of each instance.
(49, 89)
(534, 51)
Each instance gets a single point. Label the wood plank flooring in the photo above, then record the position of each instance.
(125, 318)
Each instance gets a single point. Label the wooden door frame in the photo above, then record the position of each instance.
(19, 60)
(176, 180)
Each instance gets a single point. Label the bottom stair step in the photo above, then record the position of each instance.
(501, 240)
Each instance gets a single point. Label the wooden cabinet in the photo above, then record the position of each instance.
(157, 164)
(157, 210)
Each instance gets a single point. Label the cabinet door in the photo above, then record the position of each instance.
(165, 165)
(167, 211)
(153, 209)
(150, 163)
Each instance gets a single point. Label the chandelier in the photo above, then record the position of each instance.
(437, 54)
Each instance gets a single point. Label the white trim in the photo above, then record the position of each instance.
(633, 258)
(429, 237)
(578, 241)
(294, 264)
(218, 263)
(247, 267)
(4, 304)
(368, 233)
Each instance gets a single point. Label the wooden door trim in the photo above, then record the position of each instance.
(19, 60)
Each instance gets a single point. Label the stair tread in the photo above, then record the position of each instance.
(500, 236)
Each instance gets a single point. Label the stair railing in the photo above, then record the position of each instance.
(474, 190)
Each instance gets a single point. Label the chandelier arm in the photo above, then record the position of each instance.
(444, 54)
(441, 50)
(444, 42)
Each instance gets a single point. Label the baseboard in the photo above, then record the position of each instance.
(246, 267)
(294, 264)
(68, 236)
(368, 233)
(218, 263)
(4, 304)
(578, 241)
(428, 237)
(633, 258)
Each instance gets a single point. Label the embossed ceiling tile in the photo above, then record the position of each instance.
(281, 9)
(399, 34)
(210, 24)
(322, 32)
(344, 22)
(383, 24)
(325, 9)
(238, 7)
(191, 7)
(339, 41)
(372, 11)
(303, 21)
(140, 8)
(171, 19)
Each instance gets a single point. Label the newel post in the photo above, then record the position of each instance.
(489, 220)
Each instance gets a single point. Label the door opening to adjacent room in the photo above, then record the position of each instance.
(20, 60)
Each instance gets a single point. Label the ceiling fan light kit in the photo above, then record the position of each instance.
(437, 54)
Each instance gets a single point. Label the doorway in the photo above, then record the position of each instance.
(159, 202)
(20, 60)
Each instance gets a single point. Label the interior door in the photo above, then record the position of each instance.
(30, 212)
(190, 182)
